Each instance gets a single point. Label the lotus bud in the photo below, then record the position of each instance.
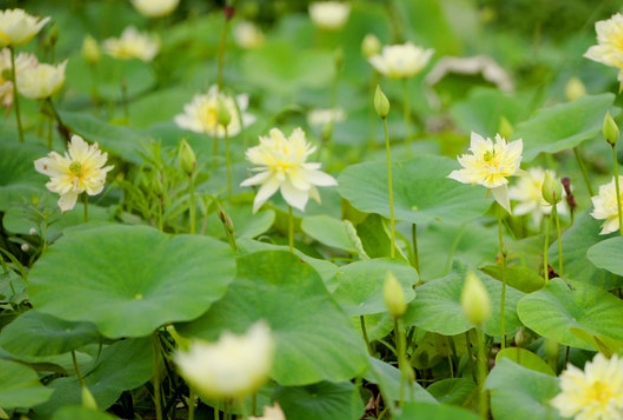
(370, 46)
(552, 188)
(381, 103)
(505, 128)
(394, 296)
(574, 89)
(610, 129)
(90, 50)
(88, 401)
(224, 116)
(475, 300)
(187, 158)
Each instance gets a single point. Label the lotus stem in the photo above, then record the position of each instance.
(18, 118)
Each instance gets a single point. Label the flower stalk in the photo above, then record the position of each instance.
(18, 117)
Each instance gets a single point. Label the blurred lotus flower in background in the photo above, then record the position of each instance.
(132, 44)
(90, 50)
(23, 61)
(401, 61)
(202, 114)
(232, 367)
(80, 170)
(528, 193)
(18, 27)
(271, 413)
(490, 165)
(281, 163)
(322, 117)
(609, 48)
(606, 208)
(155, 8)
(329, 15)
(370, 46)
(41, 81)
(248, 36)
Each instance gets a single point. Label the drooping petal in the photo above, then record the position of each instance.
(265, 192)
(67, 201)
(500, 194)
(294, 197)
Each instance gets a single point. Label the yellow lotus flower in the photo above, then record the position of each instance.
(609, 48)
(132, 44)
(18, 27)
(401, 61)
(202, 114)
(155, 8)
(528, 193)
(271, 413)
(282, 166)
(23, 61)
(80, 170)
(596, 393)
(605, 204)
(41, 81)
(329, 15)
(234, 366)
(490, 165)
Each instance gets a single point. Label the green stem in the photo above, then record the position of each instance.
(482, 375)
(156, 378)
(416, 254)
(254, 404)
(407, 114)
(221, 53)
(61, 125)
(228, 164)
(617, 186)
(548, 229)
(124, 100)
(85, 203)
(290, 229)
(364, 332)
(578, 157)
(77, 369)
(402, 357)
(191, 404)
(18, 117)
(215, 150)
(390, 190)
(191, 191)
(559, 235)
(503, 275)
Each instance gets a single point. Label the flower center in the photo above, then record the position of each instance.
(599, 392)
(75, 168)
(210, 117)
(489, 155)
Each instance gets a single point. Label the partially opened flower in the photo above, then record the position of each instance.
(609, 48)
(80, 170)
(232, 367)
(155, 8)
(528, 193)
(247, 35)
(281, 163)
(595, 393)
(132, 44)
(42, 80)
(18, 27)
(202, 114)
(401, 61)
(490, 165)
(606, 207)
(329, 14)
(23, 61)
(271, 413)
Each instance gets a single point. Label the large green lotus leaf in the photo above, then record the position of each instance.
(265, 68)
(561, 127)
(453, 391)
(518, 393)
(422, 190)
(324, 400)
(130, 280)
(428, 411)
(161, 105)
(78, 412)
(576, 242)
(437, 307)
(387, 377)
(122, 141)
(360, 289)
(526, 359)
(124, 365)
(315, 340)
(607, 255)
(19, 182)
(20, 386)
(552, 311)
(329, 231)
(37, 334)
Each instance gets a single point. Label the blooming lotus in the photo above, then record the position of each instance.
(18, 27)
(42, 80)
(234, 366)
(606, 207)
(132, 44)
(155, 8)
(528, 193)
(202, 114)
(595, 393)
(329, 14)
(490, 165)
(401, 61)
(271, 413)
(80, 170)
(23, 61)
(609, 48)
(281, 163)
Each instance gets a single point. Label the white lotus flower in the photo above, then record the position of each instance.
(271, 413)
(248, 36)
(401, 61)
(281, 163)
(23, 61)
(18, 27)
(41, 81)
(155, 8)
(606, 208)
(329, 15)
(528, 193)
(609, 48)
(132, 44)
(322, 117)
(234, 366)
(490, 165)
(80, 170)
